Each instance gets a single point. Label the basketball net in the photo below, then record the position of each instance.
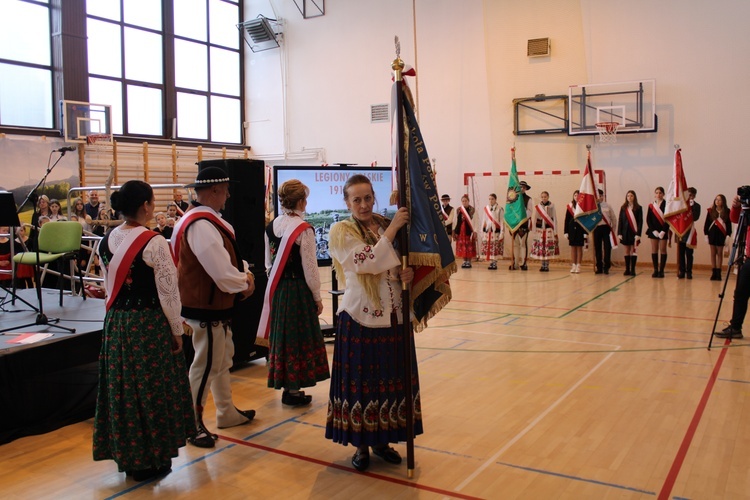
(607, 131)
(99, 151)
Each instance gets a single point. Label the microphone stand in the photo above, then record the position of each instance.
(42, 181)
(41, 318)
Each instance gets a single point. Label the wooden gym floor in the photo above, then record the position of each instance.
(534, 385)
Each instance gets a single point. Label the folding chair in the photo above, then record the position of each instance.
(57, 240)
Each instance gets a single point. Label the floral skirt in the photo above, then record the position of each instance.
(465, 247)
(492, 249)
(544, 245)
(144, 410)
(297, 354)
(367, 403)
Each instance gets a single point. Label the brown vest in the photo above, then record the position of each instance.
(201, 298)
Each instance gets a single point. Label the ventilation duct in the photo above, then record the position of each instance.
(259, 33)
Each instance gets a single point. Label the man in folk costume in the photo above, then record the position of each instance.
(211, 276)
(521, 236)
(448, 213)
(686, 245)
(492, 231)
(605, 238)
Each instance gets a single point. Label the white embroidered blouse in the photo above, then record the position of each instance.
(357, 257)
(157, 255)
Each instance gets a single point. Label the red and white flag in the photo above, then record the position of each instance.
(677, 212)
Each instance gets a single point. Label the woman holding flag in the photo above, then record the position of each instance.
(629, 230)
(368, 379)
(297, 355)
(144, 410)
(492, 231)
(717, 229)
(464, 232)
(658, 232)
(545, 245)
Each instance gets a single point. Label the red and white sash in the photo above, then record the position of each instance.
(494, 221)
(445, 214)
(119, 266)
(467, 218)
(656, 210)
(277, 270)
(545, 217)
(718, 222)
(631, 220)
(571, 210)
(191, 216)
(612, 234)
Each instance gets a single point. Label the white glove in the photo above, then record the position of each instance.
(706, 238)
(619, 237)
(566, 236)
(661, 234)
(637, 238)
(655, 233)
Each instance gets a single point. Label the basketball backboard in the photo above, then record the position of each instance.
(82, 119)
(632, 105)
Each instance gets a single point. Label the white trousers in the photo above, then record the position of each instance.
(214, 350)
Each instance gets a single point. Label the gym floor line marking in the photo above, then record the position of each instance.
(493, 459)
(577, 478)
(687, 440)
(381, 477)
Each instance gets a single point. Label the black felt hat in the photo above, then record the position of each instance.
(210, 176)
(445, 197)
(525, 184)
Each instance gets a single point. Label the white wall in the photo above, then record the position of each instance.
(471, 60)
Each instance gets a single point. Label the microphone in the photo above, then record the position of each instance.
(65, 149)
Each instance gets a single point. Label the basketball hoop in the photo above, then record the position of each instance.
(607, 131)
(96, 138)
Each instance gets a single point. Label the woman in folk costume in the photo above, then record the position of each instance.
(577, 236)
(297, 355)
(545, 244)
(492, 231)
(464, 233)
(144, 410)
(658, 232)
(717, 229)
(629, 230)
(367, 397)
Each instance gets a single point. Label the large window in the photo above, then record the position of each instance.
(25, 64)
(170, 69)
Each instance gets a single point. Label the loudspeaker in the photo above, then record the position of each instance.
(245, 211)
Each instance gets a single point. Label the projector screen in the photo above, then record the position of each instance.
(325, 205)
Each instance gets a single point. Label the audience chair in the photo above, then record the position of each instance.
(59, 240)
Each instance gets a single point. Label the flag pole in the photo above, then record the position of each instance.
(398, 66)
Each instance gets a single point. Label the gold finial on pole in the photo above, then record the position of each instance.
(397, 65)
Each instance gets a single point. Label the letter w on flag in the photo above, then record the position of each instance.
(429, 246)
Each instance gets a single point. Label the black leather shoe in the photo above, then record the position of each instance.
(524, 267)
(388, 454)
(145, 474)
(729, 332)
(361, 460)
(299, 399)
(248, 414)
(202, 440)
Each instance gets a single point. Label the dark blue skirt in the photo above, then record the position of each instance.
(367, 402)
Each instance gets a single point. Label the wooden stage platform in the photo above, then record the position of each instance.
(50, 383)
